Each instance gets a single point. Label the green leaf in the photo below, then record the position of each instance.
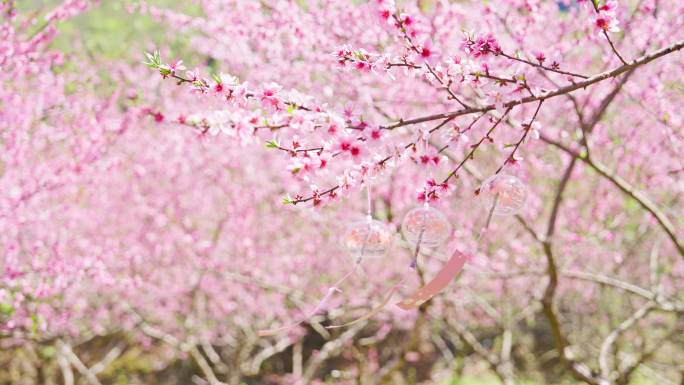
(666, 117)
(48, 352)
(152, 60)
(272, 144)
(360, 56)
(631, 204)
(6, 309)
(35, 321)
(287, 200)
(216, 78)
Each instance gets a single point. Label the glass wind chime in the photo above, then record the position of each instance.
(424, 228)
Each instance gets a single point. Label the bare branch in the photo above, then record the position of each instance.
(328, 349)
(252, 368)
(76, 362)
(610, 340)
(626, 188)
(550, 94)
(542, 67)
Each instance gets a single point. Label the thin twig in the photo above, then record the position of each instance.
(475, 146)
(626, 188)
(543, 67)
(549, 94)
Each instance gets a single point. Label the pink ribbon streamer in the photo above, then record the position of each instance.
(441, 280)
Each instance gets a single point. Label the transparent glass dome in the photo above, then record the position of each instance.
(427, 225)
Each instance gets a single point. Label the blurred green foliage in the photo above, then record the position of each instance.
(111, 32)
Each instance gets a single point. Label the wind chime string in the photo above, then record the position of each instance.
(335, 287)
(373, 311)
(485, 227)
(514, 195)
(420, 217)
(426, 205)
(509, 196)
(369, 201)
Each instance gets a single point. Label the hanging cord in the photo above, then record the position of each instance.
(426, 204)
(428, 172)
(485, 227)
(414, 261)
(369, 220)
(335, 287)
(369, 208)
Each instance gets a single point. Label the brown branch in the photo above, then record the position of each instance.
(549, 94)
(65, 349)
(626, 373)
(251, 368)
(588, 127)
(65, 367)
(182, 346)
(447, 116)
(610, 340)
(608, 281)
(475, 146)
(202, 84)
(601, 110)
(329, 348)
(379, 163)
(626, 188)
(612, 46)
(543, 67)
(527, 127)
(415, 49)
(479, 178)
(579, 370)
(469, 339)
(472, 123)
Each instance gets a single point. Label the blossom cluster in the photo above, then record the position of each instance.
(606, 18)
